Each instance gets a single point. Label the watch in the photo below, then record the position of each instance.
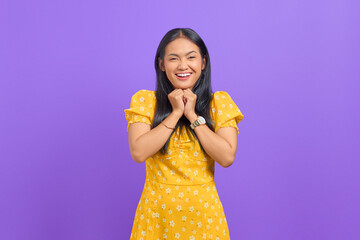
(198, 122)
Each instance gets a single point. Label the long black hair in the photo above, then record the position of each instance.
(202, 87)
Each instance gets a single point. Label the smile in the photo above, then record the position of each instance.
(183, 74)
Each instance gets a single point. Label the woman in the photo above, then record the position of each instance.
(180, 130)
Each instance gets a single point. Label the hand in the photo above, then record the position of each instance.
(190, 101)
(176, 98)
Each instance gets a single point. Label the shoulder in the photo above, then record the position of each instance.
(144, 99)
(221, 102)
(220, 97)
(225, 110)
(146, 94)
(142, 96)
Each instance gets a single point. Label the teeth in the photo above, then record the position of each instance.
(183, 74)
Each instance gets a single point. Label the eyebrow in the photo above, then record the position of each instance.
(173, 54)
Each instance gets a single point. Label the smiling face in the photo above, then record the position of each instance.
(182, 63)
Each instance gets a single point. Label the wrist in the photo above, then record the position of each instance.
(192, 117)
(176, 114)
(199, 121)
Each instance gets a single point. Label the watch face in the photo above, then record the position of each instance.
(198, 122)
(202, 120)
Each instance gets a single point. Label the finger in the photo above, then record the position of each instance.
(176, 90)
(176, 93)
(179, 96)
(188, 90)
(189, 93)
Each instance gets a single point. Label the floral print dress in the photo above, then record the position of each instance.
(179, 199)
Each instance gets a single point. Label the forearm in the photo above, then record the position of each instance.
(152, 141)
(222, 151)
(216, 146)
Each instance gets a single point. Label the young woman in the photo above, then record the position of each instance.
(180, 131)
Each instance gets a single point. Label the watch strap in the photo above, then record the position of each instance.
(197, 122)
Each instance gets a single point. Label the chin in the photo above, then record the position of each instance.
(184, 87)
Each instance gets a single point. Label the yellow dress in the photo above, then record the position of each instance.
(179, 199)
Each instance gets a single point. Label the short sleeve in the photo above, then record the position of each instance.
(141, 108)
(224, 111)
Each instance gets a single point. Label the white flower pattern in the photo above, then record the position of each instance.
(179, 192)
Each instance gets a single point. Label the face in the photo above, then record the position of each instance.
(182, 63)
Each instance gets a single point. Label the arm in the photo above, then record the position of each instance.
(220, 146)
(144, 143)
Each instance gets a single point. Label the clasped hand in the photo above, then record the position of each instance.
(183, 103)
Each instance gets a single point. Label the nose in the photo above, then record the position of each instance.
(182, 65)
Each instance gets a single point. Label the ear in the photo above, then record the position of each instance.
(161, 64)
(203, 65)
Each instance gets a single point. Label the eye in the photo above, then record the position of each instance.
(172, 59)
(192, 57)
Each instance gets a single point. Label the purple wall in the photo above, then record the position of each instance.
(69, 68)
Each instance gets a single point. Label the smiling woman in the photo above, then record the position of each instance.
(182, 63)
(180, 131)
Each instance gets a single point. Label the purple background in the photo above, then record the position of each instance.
(68, 70)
